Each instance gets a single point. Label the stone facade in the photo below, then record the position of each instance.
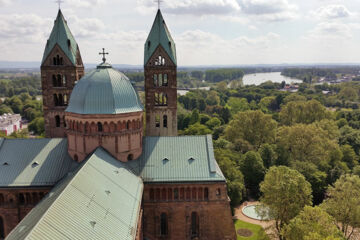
(58, 78)
(120, 134)
(188, 211)
(15, 203)
(161, 95)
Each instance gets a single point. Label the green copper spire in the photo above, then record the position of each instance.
(159, 35)
(62, 36)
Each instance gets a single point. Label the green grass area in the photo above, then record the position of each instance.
(258, 231)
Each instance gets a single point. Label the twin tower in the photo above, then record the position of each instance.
(62, 68)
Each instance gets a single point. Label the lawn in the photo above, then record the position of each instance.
(257, 231)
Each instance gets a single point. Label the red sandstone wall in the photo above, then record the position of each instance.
(215, 220)
(16, 203)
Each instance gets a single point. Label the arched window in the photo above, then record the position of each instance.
(165, 80)
(165, 121)
(200, 194)
(54, 82)
(176, 193)
(76, 158)
(160, 80)
(156, 83)
(58, 83)
(1, 199)
(21, 199)
(206, 194)
(64, 121)
(194, 225)
(130, 157)
(164, 99)
(61, 100)
(100, 127)
(65, 99)
(163, 224)
(64, 80)
(61, 61)
(157, 99)
(54, 61)
(57, 60)
(56, 100)
(182, 193)
(57, 121)
(157, 121)
(2, 228)
(128, 125)
(152, 194)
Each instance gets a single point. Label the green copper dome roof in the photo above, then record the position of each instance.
(104, 91)
(159, 35)
(62, 36)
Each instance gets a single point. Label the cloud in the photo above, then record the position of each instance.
(332, 12)
(4, 2)
(190, 7)
(85, 27)
(269, 10)
(27, 28)
(330, 32)
(85, 3)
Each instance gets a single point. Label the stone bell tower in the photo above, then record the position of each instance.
(61, 69)
(160, 80)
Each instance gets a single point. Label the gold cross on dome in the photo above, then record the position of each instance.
(103, 53)
(59, 2)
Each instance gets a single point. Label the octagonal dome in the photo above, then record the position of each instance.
(104, 91)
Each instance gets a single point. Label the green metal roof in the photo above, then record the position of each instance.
(104, 91)
(159, 35)
(101, 200)
(33, 162)
(60, 35)
(177, 159)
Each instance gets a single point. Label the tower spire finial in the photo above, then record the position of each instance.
(59, 3)
(103, 53)
(159, 3)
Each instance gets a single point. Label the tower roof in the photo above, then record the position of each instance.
(62, 36)
(104, 91)
(159, 35)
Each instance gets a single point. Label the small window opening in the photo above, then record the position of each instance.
(157, 121)
(163, 225)
(57, 121)
(69, 43)
(21, 199)
(148, 44)
(76, 157)
(176, 193)
(165, 81)
(160, 80)
(155, 80)
(165, 125)
(35, 164)
(100, 127)
(6, 164)
(130, 157)
(218, 192)
(206, 194)
(165, 160)
(194, 225)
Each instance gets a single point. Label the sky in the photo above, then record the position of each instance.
(206, 32)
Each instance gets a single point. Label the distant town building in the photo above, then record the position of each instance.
(10, 123)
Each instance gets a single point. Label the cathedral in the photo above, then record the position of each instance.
(102, 173)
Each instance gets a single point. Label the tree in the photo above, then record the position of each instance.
(312, 223)
(213, 123)
(253, 170)
(268, 154)
(286, 193)
(196, 129)
(268, 104)
(306, 143)
(37, 126)
(303, 112)
(235, 180)
(343, 203)
(294, 98)
(195, 117)
(238, 105)
(212, 98)
(349, 156)
(351, 137)
(254, 127)
(349, 93)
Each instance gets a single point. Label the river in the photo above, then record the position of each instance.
(259, 78)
